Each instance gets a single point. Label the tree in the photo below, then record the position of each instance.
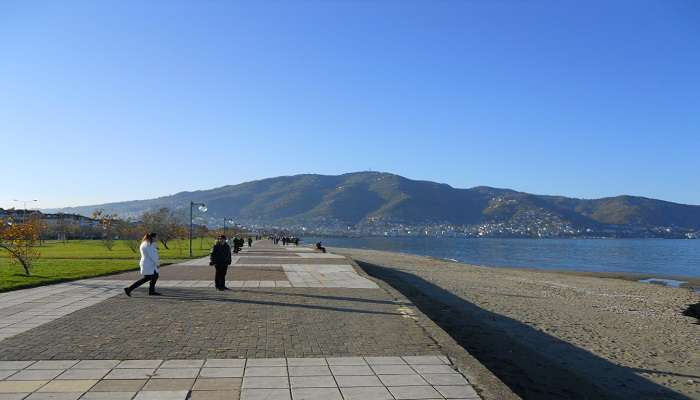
(38, 226)
(163, 222)
(131, 232)
(201, 232)
(20, 241)
(109, 225)
(181, 234)
(63, 226)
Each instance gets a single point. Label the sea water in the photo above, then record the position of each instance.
(654, 257)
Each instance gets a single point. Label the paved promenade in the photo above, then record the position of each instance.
(297, 325)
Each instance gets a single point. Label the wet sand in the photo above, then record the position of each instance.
(557, 334)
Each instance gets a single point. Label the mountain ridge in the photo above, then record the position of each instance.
(365, 199)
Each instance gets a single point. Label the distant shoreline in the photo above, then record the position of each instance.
(692, 283)
(508, 237)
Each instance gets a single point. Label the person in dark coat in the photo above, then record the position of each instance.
(237, 244)
(220, 258)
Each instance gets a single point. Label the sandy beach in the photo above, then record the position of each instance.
(557, 334)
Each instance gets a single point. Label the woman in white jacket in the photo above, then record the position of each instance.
(150, 263)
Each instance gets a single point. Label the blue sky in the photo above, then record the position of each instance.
(107, 101)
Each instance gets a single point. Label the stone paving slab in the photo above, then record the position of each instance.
(320, 255)
(285, 261)
(268, 254)
(268, 378)
(198, 273)
(299, 281)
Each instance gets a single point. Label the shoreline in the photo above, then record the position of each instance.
(690, 282)
(509, 237)
(627, 261)
(556, 334)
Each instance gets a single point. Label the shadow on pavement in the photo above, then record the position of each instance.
(515, 352)
(183, 296)
(316, 296)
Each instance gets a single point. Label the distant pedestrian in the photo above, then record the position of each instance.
(220, 258)
(237, 244)
(150, 265)
(250, 241)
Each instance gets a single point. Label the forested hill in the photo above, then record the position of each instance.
(366, 198)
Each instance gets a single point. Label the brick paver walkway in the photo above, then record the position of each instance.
(297, 325)
(23, 310)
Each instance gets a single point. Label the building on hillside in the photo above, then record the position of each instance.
(59, 226)
(80, 220)
(48, 219)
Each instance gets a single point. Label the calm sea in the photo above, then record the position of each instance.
(659, 257)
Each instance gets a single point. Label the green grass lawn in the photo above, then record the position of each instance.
(78, 259)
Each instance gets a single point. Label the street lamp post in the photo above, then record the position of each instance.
(203, 208)
(24, 214)
(229, 220)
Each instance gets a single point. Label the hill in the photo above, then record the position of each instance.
(375, 201)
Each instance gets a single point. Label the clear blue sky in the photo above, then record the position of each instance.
(105, 101)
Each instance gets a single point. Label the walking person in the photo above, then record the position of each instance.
(220, 258)
(150, 265)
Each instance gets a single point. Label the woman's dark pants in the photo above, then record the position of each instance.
(146, 278)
